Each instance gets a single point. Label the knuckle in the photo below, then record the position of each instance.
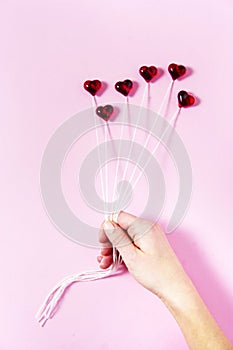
(120, 239)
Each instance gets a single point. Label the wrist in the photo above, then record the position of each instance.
(182, 298)
(180, 294)
(200, 329)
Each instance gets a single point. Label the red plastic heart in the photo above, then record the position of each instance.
(124, 87)
(104, 112)
(92, 86)
(185, 99)
(176, 71)
(148, 73)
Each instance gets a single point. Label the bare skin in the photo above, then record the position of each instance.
(152, 262)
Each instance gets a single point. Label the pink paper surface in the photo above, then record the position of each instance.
(48, 49)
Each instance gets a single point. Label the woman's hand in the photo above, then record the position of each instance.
(145, 251)
(151, 260)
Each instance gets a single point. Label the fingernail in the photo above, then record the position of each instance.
(115, 217)
(108, 226)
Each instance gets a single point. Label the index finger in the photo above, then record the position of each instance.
(138, 229)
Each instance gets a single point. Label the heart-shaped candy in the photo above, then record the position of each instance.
(184, 99)
(124, 87)
(104, 112)
(148, 73)
(176, 70)
(92, 86)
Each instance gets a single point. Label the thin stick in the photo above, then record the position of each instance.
(150, 133)
(118, 159)
(165, 97)
(99, 157)
(106, 134)
(134, 134)
(173, 118)
(133, 139)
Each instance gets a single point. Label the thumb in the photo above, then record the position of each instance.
(119, 239)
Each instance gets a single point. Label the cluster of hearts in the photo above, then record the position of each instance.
(124, 87)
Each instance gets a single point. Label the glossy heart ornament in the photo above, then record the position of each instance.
(176, 71)
(148, 73)
(92, 86)
(184, 99)
(124, 87)
(104, 112)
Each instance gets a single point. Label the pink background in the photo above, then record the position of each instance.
(48, 48)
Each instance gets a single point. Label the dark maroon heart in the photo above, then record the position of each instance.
(124, 87)
(104, 112)
(185, 99)
(176, 70)
(148, 73)
(92, 86)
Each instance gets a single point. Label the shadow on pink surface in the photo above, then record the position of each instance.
(210, 286)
